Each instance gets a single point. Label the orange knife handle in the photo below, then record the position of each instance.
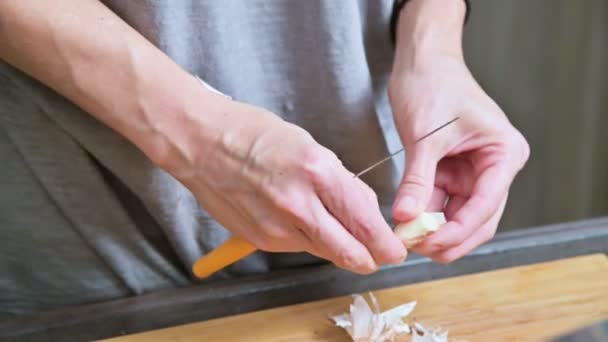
(229, 252)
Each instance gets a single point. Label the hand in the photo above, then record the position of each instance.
(259, 176)
(271, 183)
(470, 163)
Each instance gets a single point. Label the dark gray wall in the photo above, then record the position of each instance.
(546, 64)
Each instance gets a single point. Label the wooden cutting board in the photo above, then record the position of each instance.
(528, 303)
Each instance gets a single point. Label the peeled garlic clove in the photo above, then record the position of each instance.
(416, 230)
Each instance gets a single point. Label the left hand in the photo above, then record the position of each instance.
(470, 163)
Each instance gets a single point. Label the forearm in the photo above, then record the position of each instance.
(89, 55)
(429, 27)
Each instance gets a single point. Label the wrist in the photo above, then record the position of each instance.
(177, 121)
(196, 124)
(427, 29)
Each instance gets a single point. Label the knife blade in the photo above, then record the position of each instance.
(392, 155)
(236, 248)
(367, 169)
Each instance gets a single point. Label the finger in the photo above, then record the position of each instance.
(455, 175)
(485, 200)
(267, 228)
(417, 185)
(356, 207)
(454, 204)
(321, 252)
(284, 238)
(231, 216)
(335, 243)
(262, 225)
(437, 201)
(426, 246)
(308, 245)
(483, 235)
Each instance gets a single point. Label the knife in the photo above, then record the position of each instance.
(237, 248)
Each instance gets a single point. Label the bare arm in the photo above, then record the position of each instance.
(467, 169)
(86, 53)
(259, 176)
(430, 27)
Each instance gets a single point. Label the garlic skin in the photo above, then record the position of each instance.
(423, 334)
(365, 323)
(414, 231)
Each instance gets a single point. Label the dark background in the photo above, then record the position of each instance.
(546, 63)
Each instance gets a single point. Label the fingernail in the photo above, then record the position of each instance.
(409, 205)
(402, 258)
(372, 266)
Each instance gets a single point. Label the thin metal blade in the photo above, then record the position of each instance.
(385, 159)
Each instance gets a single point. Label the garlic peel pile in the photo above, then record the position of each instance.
(365, 324)
(422, 334)
(416, 230)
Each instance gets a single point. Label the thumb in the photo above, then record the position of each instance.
(417, 185)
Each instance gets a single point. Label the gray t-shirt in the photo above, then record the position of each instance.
(85, 217)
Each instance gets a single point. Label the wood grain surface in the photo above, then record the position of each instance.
(529, 303)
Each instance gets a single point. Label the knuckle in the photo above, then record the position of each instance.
(352, 260)
(294, 206)
(525, 151)
(442, 245)
(287, 203)
(276, 233)
(394, 256)
(372, 196)
(264, 243)
(363, 230)
(316, 164)
(520, 148)
(486, 235)
(415, 180)
(346, 259)
(366, 270)
(314, 231)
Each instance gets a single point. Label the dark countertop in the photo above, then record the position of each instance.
(197, 303)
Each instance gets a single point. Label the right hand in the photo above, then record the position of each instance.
(271, 183)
